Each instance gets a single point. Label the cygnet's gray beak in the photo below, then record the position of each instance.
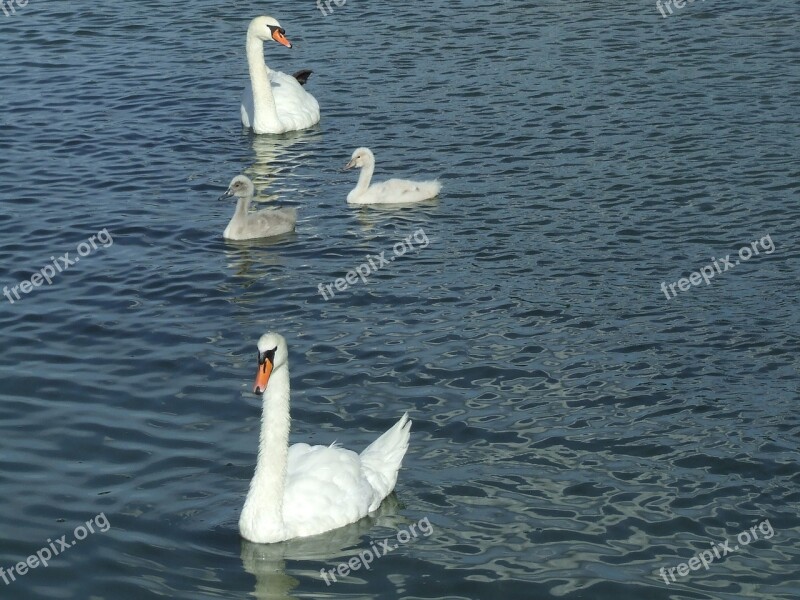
(227, 194)
(350, 165)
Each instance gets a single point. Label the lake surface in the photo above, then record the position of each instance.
(576, 429)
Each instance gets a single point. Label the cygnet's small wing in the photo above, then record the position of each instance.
(273, 221)
(404, 190)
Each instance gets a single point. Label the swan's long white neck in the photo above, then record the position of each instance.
(265, 499)
(265, 115)
(364, 179)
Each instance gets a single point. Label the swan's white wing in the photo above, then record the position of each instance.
(325, 488)
(297, 109)
(247, 109)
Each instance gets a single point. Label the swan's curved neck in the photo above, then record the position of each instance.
(266, 489)
(363, 180)
(242, 208)
(265, 112)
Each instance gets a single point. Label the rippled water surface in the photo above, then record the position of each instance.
(574, 429)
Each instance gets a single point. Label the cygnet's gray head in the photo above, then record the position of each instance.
(241, 186)
(361, 157)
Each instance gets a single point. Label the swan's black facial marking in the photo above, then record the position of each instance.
(267, 355)
(279, 35)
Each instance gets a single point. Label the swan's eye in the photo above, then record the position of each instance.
(266, 355)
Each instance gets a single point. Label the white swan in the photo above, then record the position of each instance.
(304, 490)
(274, 102)
(263, 223)
(388, 192)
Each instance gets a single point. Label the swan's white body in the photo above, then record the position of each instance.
(304, 490)
(245, 225)
(393, 191)
(273, 102)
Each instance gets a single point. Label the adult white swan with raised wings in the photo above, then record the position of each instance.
(274, 102)
(304, 490)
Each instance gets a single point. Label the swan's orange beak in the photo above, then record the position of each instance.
(262, 376)
(279, 37)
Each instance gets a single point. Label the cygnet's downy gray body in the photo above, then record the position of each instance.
(245, 225)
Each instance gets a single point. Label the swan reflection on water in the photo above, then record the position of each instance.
(251, 259)
(267, 562)
(275, 157)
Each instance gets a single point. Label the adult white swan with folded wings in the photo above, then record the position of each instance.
(303, 490)
(274, 102)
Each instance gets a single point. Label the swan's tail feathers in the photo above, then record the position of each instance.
(382, 458)
(302, 75)
(425, 190)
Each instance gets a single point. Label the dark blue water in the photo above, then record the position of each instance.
(574, 429)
